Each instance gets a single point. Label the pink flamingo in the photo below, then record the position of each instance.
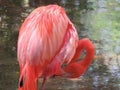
(47, 40)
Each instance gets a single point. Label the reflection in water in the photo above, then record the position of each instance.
(99, 20)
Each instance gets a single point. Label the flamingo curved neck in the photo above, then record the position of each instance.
(88, 46)
(75, 69)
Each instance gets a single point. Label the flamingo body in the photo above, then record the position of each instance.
(47, 39)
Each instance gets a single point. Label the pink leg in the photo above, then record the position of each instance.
(44, 83)
(49, 71)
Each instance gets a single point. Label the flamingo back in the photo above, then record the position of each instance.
(41, 34)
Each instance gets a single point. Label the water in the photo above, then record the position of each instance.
(98, 20)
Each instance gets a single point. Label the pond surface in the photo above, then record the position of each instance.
(98, 20)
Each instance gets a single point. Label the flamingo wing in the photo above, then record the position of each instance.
(65, 52)
(41, 35)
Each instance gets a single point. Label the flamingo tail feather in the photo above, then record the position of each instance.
(27, 79)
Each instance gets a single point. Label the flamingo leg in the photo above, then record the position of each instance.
(37, 84)
(44, 83)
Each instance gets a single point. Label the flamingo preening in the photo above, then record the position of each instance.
(47, 40)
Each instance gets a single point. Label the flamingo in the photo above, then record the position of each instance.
(47, 40)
